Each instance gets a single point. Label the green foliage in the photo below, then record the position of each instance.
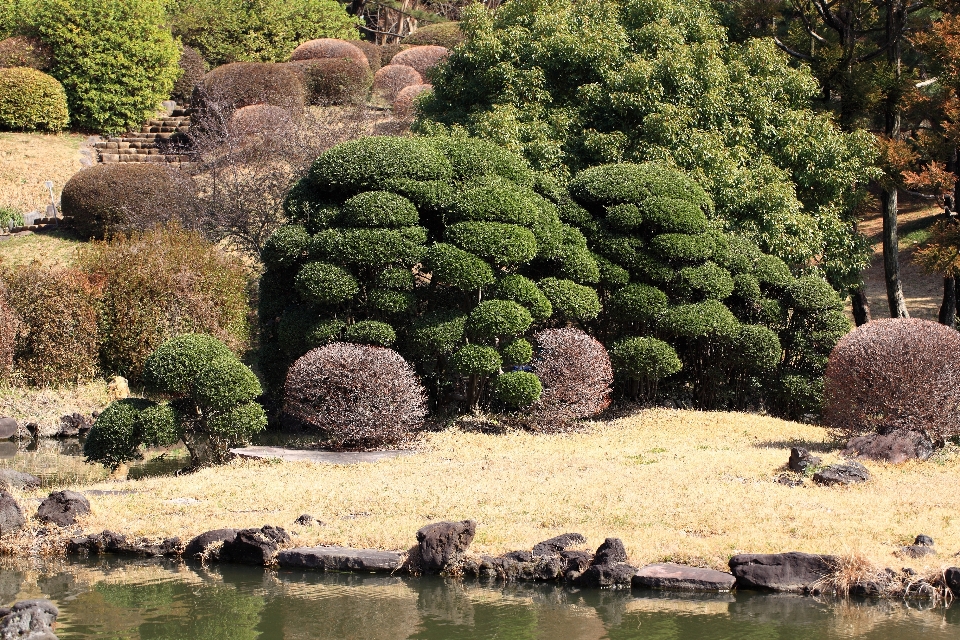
(124, 427)
(325, 283)
(286, 247)
(31, 100)
(116, 59)
(458, 268)
(624, 217)
(772, 270)
(704, 281)
(373, 249)
(493, 319)
(708, 319)
(390, 302)
(438, 333)
(379, 209)
(379, 334)
(810, 293)
(638, 303)
(644, 358)
(441, 34)
(179, 362)
(757, 348)
(517, 389)
(571, 300)
(680, 247)
(473, 359)
(473, 157)
(501, 244)
(495, 199)
(301, 328)
(525, 291)
(747, 287)
(516, 352)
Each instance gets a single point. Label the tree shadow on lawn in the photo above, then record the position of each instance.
(828, 446)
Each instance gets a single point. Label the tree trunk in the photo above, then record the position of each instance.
(861, 307)
(891, 254)
(948, 308)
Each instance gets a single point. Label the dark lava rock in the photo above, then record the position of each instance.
(790, 480)
(868, 589)
(555, 545)
(607, 575)
(845, 474)
(577, 560)
(801, 460)
(893, 447)
(255, 546)
(73, 425)
(206, 546)
(443, 543)
(519, 556)
(923, 541)
(952, 577)
(62, 508)
(339, 559)
(29, 620)
(119, 544)
(11, 517)
(612, 550)
(306, 520)
(792, 571)
(539, 568)
(682, 578)
(11, 479)
(916, 551)
(8, 428)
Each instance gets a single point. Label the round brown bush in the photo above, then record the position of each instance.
(392, 79)
(895, 374)
(355, 396)
(388, 51)
(421, 58)
(262, 118)
(328, 48)
(193, 68)
(371, 51)
(334, 80)
(404, 105)
(245, 83)
(112, 198)
(20, 51)
(442, 34)
(576, 375)
(8, 334)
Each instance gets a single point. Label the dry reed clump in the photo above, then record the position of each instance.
(895, 374)
(422, 58)
(392, 79)
(404, 105)
(356, 396)
(576, 375)
(855, 574)
(244, 83)
(328, 48)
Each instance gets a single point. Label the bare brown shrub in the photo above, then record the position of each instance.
(404, 105)
(8, 334)
(371, 51)
(893, 374)
(422, 58)
(388, 51)
(118, 198)
(162, 283)
(57, 338)
(328, 48)
(20, 51)
(334, 80)
(251, 121)
(576, 375)
(244, 83)
(443, 34)
(392, 79)
(356, 396)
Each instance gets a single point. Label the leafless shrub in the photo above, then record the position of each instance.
(240, 84)
(8, 335)
(328, 48)
(371, 50)
(356, 396)
(388, 51)
(895, 374)
(334, 80)
(422, 58)
(392, 79)
(404, 106)
(576, 375)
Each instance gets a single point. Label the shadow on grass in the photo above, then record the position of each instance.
(813, 446)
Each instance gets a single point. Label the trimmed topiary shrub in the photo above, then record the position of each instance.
(501, 244)
(332, 81)
(328, 48)
(355, 396)
(644, 362)
(494, 319)
(525, 292)
(125, 427)
(570, 300)
(404, 105)
(115, 198)
(241, 84)
(379, 334)
(517, 389)
(371, 50)
(30, 100)
(458, 268)
(392, 79)
(23, 51)
(441, 34)
(321, 283)
(516, 352)
(895, 374)
(476, 360)
(422, 58)
(192, 70)
(379, 209)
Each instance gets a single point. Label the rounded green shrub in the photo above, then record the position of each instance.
(501, 244)
(441, 34)
(437, 333)
(301, 329)
(30, 100)
(225, 382)
(371, 248)
(757, 348)
(301, 206)
(638, 303)
(124, 427)
(612, 184)
(517, 389)
(379, 209)
(743, 255)
(474, 359)
(495, 199)
(624, 217)
(672, 215)
(175, 365)
(457, 268)
(322, 283)
(701, 320)
(810, 293)
(571, 300)
(612, 276)
(496, 318)
(704, 281)
(746, 287)
(644, 359)
(396, 278)
(286, 246)
(516, 353)
(379, 334)
(524, 291)
(474, 157)
(773, 271)
(681, 247)
(427, 195)
(390, 302)
(578, 264)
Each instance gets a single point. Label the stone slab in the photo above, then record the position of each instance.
(667, 575)
(339, 559)
(322, 457)
(793, 571)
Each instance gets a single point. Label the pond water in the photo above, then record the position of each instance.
(126, 599)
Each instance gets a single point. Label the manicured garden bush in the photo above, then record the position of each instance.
(245, 83)
(115, 198)
(517, 389)
(334, 80)
(371, 50)
(442, 34)
(423, 58)
(8, 335)
(22, 51)
(404, 105)
(30, 100)
(328, 48)
(192, 69)
(392, 79)
(124, 427)
(643, 362)
(355, 396)
(895, 374)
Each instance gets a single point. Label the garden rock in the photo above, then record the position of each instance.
(611, 551)
(519, 556)
(792, 571)
(206, 546)
(73, 425)
(555, 545)
(894, 447)
(443, 543)
(916, 551)
(11, 479)
(62, 508)
(255, 546)
(682, 578)
(615, 575)
(11, 517)
(8, 428)
(845, 474)
(339, 559)
(952, 577)
(119, 544)
(306, 520)
(801, 460)
(577, 560)
(923, 540)
(29, 620)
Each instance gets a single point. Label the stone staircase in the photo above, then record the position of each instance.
(151, 144)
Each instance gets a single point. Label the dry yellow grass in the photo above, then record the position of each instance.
(45, 406)
(29, 159)
(48, 248)
(674, 485)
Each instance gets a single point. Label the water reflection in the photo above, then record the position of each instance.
(113, 598)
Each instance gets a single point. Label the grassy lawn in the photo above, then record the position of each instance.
(29, 159)
(685, 486)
